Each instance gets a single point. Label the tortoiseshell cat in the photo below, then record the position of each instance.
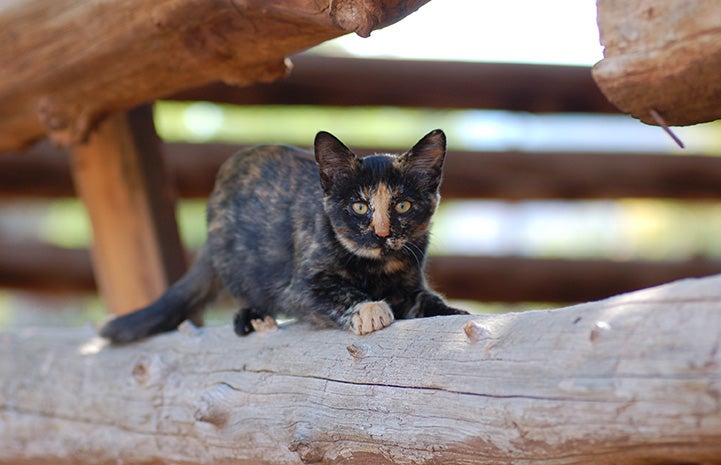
(339, 241)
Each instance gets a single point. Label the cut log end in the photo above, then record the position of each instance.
(663, 56)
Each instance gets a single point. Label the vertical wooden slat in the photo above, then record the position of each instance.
(119, 175)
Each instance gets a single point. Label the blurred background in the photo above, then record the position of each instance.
(516, 101)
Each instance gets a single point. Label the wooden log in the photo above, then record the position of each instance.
(38, 267)
(62, 79)
(318, 80)
(662, 55)
(120, 177)
(633, 379)
(523, 279)
(575, 176)
(43, 172)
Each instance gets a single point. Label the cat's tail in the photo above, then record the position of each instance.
(186, 299)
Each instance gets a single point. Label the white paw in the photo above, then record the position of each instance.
(370, 316)
(267, 324)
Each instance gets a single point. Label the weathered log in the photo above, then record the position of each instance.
(66, 64)
(662, 55)
(633, 379)
(39, 267)
(525, 279)
(43, 171)
(318, 80)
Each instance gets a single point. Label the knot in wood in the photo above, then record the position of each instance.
(307, 452)
(598, 329)
(147, 370)
(214, 405)
(476, 331)
(360, 17)
(66, 123)
(188, 329)
(358, 351)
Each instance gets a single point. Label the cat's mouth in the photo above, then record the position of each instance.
(377, 250)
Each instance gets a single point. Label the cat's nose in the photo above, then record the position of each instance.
(382, 232)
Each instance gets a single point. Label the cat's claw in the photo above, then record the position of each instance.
(370, 316)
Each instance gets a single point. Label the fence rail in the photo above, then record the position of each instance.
(44, 171)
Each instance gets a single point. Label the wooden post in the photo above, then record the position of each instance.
(119, 175)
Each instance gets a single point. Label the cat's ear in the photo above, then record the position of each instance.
(333, 158)
(426, 157)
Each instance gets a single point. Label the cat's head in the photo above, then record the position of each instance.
(381, 205)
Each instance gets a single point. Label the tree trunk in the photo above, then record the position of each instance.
(632, 379)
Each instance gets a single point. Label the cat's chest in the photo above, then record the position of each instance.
(379, 278)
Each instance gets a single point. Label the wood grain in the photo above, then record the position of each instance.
(86, 59)
(633, 379)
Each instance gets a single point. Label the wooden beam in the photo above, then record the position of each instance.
(120, 178)
(575, 176)
(62, 79)
(522, 279)
(662, 55)
(38, 267)
(318, 80)
(43, 172)
(633, 379)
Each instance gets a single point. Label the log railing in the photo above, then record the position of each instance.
(45, 171)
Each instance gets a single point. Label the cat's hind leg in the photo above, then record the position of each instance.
(248, 320)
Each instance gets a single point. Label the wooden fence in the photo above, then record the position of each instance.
(631, 379)
(44, 171)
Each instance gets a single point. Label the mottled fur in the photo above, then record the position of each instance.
(339, 240)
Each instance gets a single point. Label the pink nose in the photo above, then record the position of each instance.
(382, 232)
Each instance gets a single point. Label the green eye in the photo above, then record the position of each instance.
(360, 208)
(403, 206)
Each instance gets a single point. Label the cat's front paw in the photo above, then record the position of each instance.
(367, 317)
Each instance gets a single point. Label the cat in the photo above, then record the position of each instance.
(338, 240)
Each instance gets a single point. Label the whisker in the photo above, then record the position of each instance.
(411, 253)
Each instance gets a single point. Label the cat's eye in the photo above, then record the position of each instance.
(403, 206)
(359, 208)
